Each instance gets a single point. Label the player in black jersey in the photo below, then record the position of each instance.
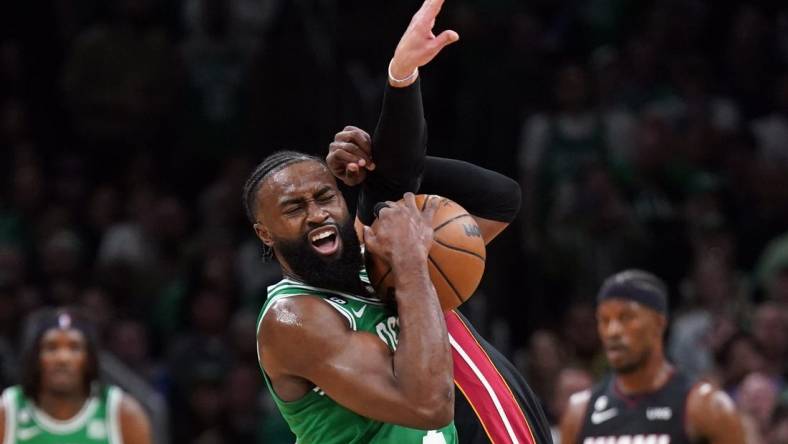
(644, 400)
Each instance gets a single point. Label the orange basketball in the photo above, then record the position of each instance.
(456, 259)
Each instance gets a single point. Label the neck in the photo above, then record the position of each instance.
(61, 406)
(648, 378)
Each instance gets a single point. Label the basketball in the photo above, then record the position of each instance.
(456, 258)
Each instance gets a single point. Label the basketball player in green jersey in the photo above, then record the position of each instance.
(342, 366)
(60, 400)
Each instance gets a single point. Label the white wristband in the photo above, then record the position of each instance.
(406, 79)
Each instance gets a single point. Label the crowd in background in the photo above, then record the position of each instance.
(649, 134)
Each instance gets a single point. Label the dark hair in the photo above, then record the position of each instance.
(637, 285)
(270, 164)
(40, 323)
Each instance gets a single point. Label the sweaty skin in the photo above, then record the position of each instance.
(632, 338)
(412, 386)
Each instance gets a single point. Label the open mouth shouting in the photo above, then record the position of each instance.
(325, 240)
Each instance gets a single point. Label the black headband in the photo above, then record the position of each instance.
(635, 285)
(63, 320)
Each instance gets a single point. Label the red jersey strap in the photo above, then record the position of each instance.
(485, 389)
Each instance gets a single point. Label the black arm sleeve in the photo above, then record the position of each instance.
(482, 192)
(399, 145)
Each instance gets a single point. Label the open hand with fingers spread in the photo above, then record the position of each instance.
(418, 45)
(350, 155)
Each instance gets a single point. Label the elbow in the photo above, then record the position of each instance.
(437, 412)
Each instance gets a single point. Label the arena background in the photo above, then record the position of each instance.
(645, 133)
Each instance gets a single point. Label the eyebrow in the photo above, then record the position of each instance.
(298, 200)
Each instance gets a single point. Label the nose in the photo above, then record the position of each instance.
(316, 214)
(612, 329)
(62, 355)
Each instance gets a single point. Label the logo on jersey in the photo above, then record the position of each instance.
(604, 415)
(601, 415)
(659, 413)
(360, 312)
(628, 439)
(339, 301)
(23, 417)
(28, 433)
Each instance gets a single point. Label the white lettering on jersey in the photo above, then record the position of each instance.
(628, 439)
(339, 301)
(659, 413)
(387, 331)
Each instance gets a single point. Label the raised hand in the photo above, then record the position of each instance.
(418, 45)
(350, 155)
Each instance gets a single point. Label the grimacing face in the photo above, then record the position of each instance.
(302, 215)
(629, 332)
(63, 359)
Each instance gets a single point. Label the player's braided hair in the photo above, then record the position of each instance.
(269, 165)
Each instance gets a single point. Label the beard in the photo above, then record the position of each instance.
(339, 273)
(633, 365)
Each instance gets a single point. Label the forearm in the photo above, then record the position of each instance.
(422, 361)
(398, 149)
(484, 193)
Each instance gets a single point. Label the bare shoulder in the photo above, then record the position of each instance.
(130, 407)
(305, 320)
(712, 415)
(134, 422)
(705, 397)
(572, 420)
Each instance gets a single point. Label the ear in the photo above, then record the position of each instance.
(263, 234)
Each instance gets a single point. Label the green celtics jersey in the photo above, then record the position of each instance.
(96, 423)
(318, 419)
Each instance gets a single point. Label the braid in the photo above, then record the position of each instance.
(270, 164)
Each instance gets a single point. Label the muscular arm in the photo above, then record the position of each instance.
(399, 146)
(412, 386)
(409, 387)
(492, 198)
(712, 415)
(572, 421)
(134, 422)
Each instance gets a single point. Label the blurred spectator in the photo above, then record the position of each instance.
(772, 269)
(582, 340)
(129, 341)
(779, 425)
(546, 356)
(738, 357)
(570, 380)
(770, 331)
(757, 399)
(712, 301)
(121, 78)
